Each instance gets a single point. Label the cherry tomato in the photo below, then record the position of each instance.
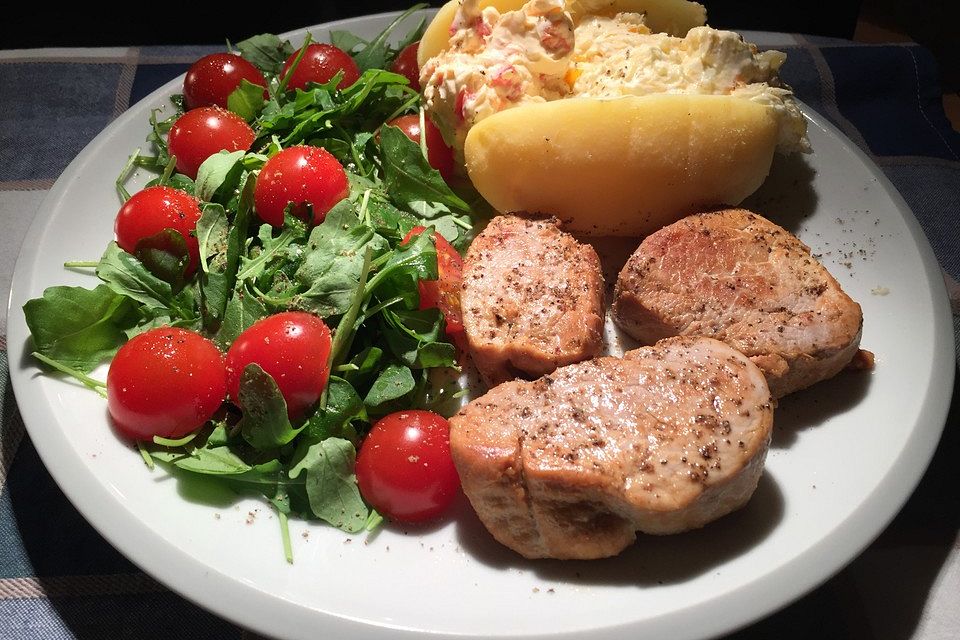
(211, 79)
(165, 382)
(404, 468)
(293, 347)
(439, 155)
(309, 177)
(200, 133)
(154, 209)
(406, 64)
(444, 292)
(319, 64)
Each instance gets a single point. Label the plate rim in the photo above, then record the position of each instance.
(241, 603)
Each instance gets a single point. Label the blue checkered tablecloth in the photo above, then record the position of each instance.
(60, 579)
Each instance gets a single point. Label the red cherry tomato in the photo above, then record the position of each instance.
(200, 133)
(406, 64)
(439, 155)
(211, 79)
(165, 382)
(154, 209)
(443, 293)
(404, 468)
(293, 347)
(309, 177)
(319, 64)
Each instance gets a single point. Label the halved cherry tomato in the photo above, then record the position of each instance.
(406, 65)
(165, 382)
(200, 133)
(444, 292)
(211, 79)
(404, 467)
(309, 177)
(293, 347)
(319, 64)
(439, 155)
(154, 209)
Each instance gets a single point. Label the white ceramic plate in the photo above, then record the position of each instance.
(845, 455)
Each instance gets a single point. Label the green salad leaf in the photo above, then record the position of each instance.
(264, 423)
(266, 51)
(331, 484)
(76, 326)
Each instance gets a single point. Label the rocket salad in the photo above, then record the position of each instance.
(288, 279)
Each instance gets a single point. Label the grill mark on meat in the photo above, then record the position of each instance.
(745, 281)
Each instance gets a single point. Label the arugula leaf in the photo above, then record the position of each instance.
(76, 326)
(246, 100)
(334, 260)
(410, 180)
(264, 424)
(213, 172)
(221, 247)
(414, 338)
(407, 265)
(377, 53)
(324, 111)
(345, 40)
(166, 256)
(209, 461)
(394, 382)
(364, 364)
(271, 248)
(212, 232)
(343, 405)
(127, 276)
(266, 51)
(331, 484)
(243, 309)
(175, 181)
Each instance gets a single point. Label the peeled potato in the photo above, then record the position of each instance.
(675, 17)
(626, 166)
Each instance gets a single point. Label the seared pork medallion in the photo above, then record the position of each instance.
(737, 277)
(532, 299)
(571, 465)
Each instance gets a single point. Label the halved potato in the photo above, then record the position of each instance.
(625, 166)
(675, 17)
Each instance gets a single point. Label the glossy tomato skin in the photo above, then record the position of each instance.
(444, 292)
(319, 64)
(404, 467)
(211, 79)
(406, 65)
(439, 155)
(165, 382)
(200, 133)
(150, 211)
(293, 347)
(304, 176)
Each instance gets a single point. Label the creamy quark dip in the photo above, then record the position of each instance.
(536, 54)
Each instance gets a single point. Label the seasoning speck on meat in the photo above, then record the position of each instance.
(572, 465)
(737, 277)
(532, 299)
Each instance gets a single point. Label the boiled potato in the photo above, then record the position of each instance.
(625, 166)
